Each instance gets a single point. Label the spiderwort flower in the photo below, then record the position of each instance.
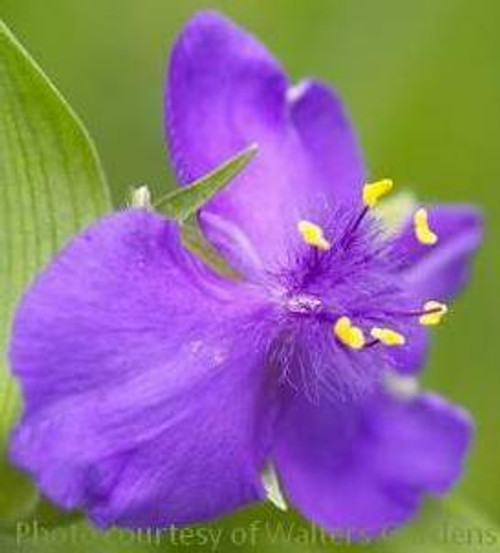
(157, 392)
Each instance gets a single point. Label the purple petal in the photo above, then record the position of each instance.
(233, 244)
(328, 137)
(141, 373)
(440, 271)
(411, 357)
(225, 91)
(363, 468)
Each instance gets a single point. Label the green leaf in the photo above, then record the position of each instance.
(194, 240)
(51, 185)
(185, 202)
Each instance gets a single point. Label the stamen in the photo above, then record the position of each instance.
(387, 336)
(348, 334)
(425, 235)
(313, 235)
(433, 313)
(437, 308)
(374, 191)
(353, 228)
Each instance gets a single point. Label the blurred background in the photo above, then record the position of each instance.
(421, 80)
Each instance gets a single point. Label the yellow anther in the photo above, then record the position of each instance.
(348, 334)
(374, 191)
(425, 235)
(435, 312)
(313, 235)
(388, 337)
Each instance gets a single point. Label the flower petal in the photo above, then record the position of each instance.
(440, 271)
(410, 357)
(362, 469)
(224, 92)
(141, 372)
(327, 135)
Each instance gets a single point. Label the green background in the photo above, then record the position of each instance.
(421, 80)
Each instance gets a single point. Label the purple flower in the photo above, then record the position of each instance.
(156, 391)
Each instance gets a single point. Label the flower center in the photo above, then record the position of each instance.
(348, 280)
(303, 303)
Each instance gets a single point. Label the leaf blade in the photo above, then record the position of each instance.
(51, 184)
(185, 202)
